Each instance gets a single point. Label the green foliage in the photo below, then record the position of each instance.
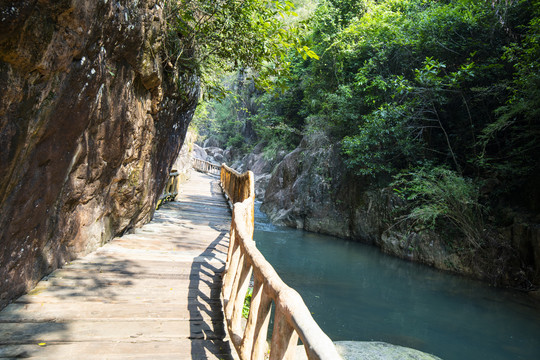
(382, 142)
(403, 80)
(205, 35)
(434, 193)
(510, 144)
(453, 85)
(246, 116)
(247, 303)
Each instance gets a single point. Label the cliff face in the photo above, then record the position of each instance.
(90, 122)
(311, 190)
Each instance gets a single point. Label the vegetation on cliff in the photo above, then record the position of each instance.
(439, 99)
(213, 37)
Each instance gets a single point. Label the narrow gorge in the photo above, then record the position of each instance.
(407, 128)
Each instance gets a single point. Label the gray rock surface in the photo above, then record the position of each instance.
(182, 164)
(211, 142)
(372, 350)
(312, 190)
(199, 152)
(359, 350)
(216, 155)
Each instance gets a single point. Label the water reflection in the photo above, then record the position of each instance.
(357, 293)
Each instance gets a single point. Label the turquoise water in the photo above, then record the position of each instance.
(355, 292)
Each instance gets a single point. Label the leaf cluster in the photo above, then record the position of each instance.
(434, 193)
(225, 35)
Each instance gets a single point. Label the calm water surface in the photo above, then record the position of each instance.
(357, 293)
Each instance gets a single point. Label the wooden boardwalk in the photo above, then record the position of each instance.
(153, 294)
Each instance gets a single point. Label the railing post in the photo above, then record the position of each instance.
(170, 191)
(284, 338)
(228, 279)
(229, 307)
(254, 343)
(205, 166)
(243, 283)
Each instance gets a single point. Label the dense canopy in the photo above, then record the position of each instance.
(438, 99)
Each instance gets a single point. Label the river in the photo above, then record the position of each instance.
(355, 292)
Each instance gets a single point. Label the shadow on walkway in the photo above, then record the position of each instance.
(206, 312)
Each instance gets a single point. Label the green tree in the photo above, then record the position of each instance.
(205, 35)
(510, 143)
(436, 193)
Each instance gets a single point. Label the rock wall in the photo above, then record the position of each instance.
(311, 190)
(91, 119)
(261, 166)
(182, 164)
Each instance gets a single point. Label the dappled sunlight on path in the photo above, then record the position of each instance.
(150, 294)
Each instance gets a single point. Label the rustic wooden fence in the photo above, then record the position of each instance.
(206, 167)
(292, 319)
(170, 192)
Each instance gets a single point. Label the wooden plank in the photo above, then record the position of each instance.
(186, 274)
(118, 330)
(190, 256)
(180, 349)
(101, 283)
(172, 242)
(61, 311)
(195, 199)
(44, 293)
(158, 271)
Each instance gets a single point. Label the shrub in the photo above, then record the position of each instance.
(436, 192)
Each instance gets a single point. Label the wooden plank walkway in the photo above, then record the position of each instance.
(153, 294)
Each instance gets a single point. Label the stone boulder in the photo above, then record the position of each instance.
(212, 141)
(304, 189)
(353, 350)
(216, 155)
(199, 152)
(213, 151)
(372, 350)
(182, 164)
(261, 182)
(261, 166)
(258, 164)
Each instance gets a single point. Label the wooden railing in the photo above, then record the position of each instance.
(205, 166)
(292, 319)
(238, 187)
(171, 189)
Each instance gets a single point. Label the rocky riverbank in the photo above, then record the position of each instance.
(312, 190)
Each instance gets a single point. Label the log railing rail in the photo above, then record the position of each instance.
(238, 187)
(170, 192)
(292, 318)
(205, 166)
